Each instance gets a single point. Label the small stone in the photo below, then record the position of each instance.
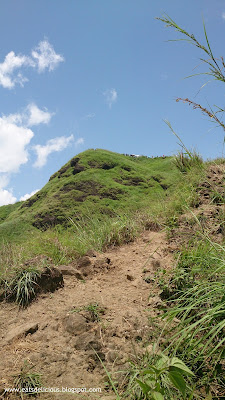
(75, 324)
(155, 302)
(70, 271)
(130, 277)
(87, 341)
(113, 356)
(156, 264)
(67, 269)
(19, 331)
(102, 263)
(84, 272)
(83, 262)
(91, 253)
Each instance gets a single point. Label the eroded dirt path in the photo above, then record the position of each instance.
(62, 345)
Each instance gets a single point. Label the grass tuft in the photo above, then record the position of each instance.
(27, 381)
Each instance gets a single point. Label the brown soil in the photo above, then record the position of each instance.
(62, 348)
(65, 342)
(208, 213)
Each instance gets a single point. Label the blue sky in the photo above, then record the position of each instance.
(87, 74)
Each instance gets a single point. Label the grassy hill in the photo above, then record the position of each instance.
(95, 182)
(96, 200)
(101, 199)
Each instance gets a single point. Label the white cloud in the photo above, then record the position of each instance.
(37, 116)
(79, 141)
(6, 197)
(223, 15)
(110, 96)
(30, 116)
(46, 57)
(8, 75)
(28, 195)
(52, 145)
(15, 136)
(13, 146)
(42, 57)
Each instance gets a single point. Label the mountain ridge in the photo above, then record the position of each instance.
(95, 181)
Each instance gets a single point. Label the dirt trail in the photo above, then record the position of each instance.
(60, 337)
(63, 345)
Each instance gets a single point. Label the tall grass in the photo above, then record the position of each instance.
(198, 306)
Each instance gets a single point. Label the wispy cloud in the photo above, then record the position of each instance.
(28, 195)
(110, 96)
(79, 141)
(30, 116)
(223, 15)
(52, 145)
(42, 57)
(46, 57)
(88, 116)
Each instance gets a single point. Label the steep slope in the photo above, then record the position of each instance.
(94, 182)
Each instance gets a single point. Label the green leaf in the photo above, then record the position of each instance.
(144, 387)
(152, 370)
(177, 363)
(178, 381)
(157, 396)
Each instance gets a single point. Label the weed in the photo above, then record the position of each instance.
(22, 287)
(94, 310)
(149, 279)
(27, 381)
(156, 377)
(185, 161)
(197, 301)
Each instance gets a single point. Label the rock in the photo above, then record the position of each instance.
(113, 356)
(21, 330)
(91, 253)
(155, 302)
(87, 341)
(85, 271)
(156, 264)
(95, 355)
(102, 263)
(130, 277)
(50, 280)
(83, 262)
(69, 270)
(75, 324)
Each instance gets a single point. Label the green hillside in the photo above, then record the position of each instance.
(95, 182)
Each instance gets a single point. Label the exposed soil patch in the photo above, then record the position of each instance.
(208, 216)
(104, 165)
(48, 219)
(130, 181)
(101, 311)
(33, 199)
(107, 308)
(91, 188)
